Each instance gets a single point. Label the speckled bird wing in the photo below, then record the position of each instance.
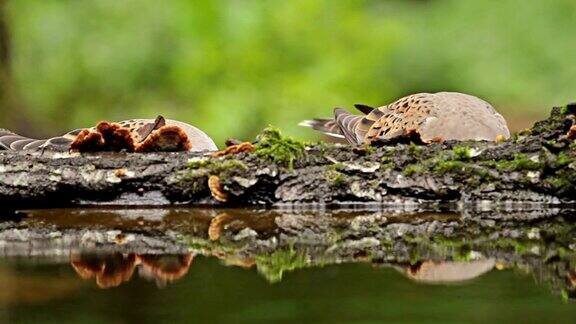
(406, 114)
(398, 118)
(140, 129)
(435, 117)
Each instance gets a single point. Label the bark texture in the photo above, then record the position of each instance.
(537, 165)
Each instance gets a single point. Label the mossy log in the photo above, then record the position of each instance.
(536, 165)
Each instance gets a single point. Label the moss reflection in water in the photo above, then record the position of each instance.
(273, 266)
(363, 265)
(347, 292)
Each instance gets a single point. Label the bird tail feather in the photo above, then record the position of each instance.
(13, 142)
(325, 125)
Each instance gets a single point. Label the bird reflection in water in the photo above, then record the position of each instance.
(429, 271)
(111, 270)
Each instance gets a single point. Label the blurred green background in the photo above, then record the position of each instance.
(232, 67)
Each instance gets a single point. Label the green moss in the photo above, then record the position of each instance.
(338, 166)
(414, 256)
(464, 253)
(561, 183)
(193, 185)
(272, 266)
(227, 165)
(386, 163)
(279, 149)
(449, 166)
(386, 244)
(565, 296)
(199, 163)
(564, 159)
(336, 179)
(554, 122)
(369, 149)
(440, 166)
(462, 153)
(412, 169)
(460, 248)
(216, 166)
(521, 162)
(483, 174)
(194, 178)
(414, 149)
(322, 146)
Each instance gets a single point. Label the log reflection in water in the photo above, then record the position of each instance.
(426, 246)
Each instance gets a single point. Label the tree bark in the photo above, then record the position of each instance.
(537, 166)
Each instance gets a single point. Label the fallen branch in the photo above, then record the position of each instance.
(537, 165)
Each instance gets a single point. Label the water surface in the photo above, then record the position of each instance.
(219, 266)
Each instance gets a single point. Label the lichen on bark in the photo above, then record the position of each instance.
(537, 165)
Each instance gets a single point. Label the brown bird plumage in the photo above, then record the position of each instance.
(435, 117)
(139, 135)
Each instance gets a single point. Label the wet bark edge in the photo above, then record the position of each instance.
(535, 166)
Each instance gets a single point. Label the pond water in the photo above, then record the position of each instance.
(180, 265)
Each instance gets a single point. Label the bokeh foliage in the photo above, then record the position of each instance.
(232, 67)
